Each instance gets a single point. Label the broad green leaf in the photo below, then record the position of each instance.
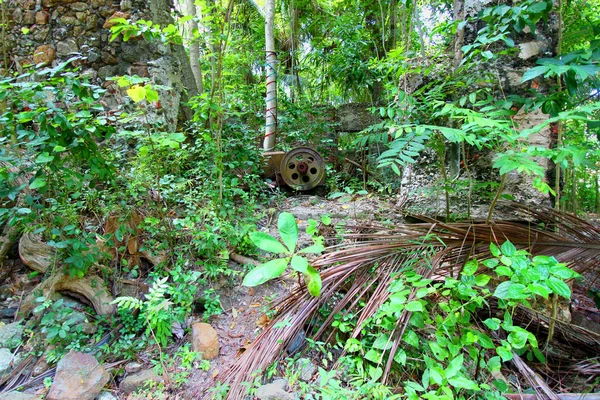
(137, 93)
(539, 289)
(482, 279)
(299, 264)
(400, 357)
(508, 249)
(265, 272)
(516, 291)
(492, 323)
(414, 306)
(559, 287)
(314, 249)
(266, 242)
(383, 342)
(44, 158)
(534, 73)
(288, 229)
(562, 272)
(494, 250)
(505, 353)
(501, 291)
(461, 382)
(313, 281)
(470, 268)
(38, 183)
(373, 356)
(454, 366)
(411, 338)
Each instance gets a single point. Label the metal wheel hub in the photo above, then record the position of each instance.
(302, 168)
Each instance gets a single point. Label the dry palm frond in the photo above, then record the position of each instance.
(366, 264)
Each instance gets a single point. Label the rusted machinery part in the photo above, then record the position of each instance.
(302, 168)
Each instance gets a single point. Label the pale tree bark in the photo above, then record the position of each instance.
(271, 81)
(191, 27)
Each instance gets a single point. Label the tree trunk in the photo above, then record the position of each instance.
(271, 80)
(191, 27)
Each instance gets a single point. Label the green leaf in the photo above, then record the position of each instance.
(492, 323)
(299, 264)
(373, 356)
(470, 268)
(44, 158)
(37, 183)
(454, 366)
(411, 338)
(494, 250)
(508, 249)
(505, 353)
(562, 272)
(288, 229)
(314, 282)
(265, 272)
(383, 342)
(534, 73)
(501, 291)
(460, 382)
(482, 279)
(414, 306)
(516, 291)
(137, 93)
(539, 289)
(559, 287)
(266, 242)
(314, 249)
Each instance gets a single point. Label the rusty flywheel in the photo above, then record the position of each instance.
(302, 168)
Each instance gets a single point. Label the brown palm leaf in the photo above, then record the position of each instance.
(363, 267)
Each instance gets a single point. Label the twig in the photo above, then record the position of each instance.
(243, 259)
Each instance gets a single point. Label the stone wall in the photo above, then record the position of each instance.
(51, 31)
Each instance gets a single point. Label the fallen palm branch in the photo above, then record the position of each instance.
(364, 266)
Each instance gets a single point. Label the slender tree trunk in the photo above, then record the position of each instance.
(191, 28)
(271, 80)
(596, 178)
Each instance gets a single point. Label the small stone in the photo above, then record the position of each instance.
(66, 47)
(110, 21)
(69, 20)
(8, 313)
(42, 17)
(205, 340)
(133, 367)
(5, 292)
(17, 16)
(106, 396)
(79, 376)
(108, 58)
(274, 391)
(14, 395)
(132, 383)
(6, 358)
(125, 5)
(10, 335)
(29, 17)
(79, 6)
(306, 369)
(91, 22)
(106, 71)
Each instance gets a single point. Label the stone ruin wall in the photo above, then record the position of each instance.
(52, 31)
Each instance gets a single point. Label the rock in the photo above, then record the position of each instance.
(274, 391)
(132, 383)
(17, 16)
(110, 20)
(530, 49)
(14, 395)
(125, 5)
(33, 252)
(306, 369)
(10, 335)
(133, 368)
(106, 71)
(29, 17)
(40, 366)
(5, 292)
(44, 55)
(66, 47)
(8, 313)
(69, 20)
(6, 358)
(79, 7)
(106, 396)
(78, 377)
(42, 17)
(205, 340)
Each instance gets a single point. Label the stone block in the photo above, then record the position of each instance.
(44, 54)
